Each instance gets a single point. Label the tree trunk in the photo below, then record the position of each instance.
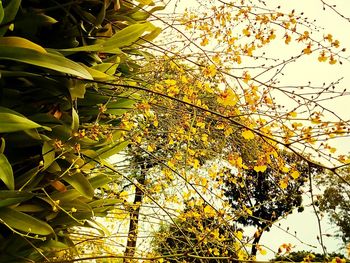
(133, 224)
(256, 242)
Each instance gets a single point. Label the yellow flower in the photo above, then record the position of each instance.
(248, 135)
(283, 184)
(227, 98)
(205, 41)
(295, 174)
(246, 77)
(307, 50)
(288, 39)
(209, 211)
(209, 71)
(246, 32)
(332, 61)
(260, 168)
(293, 114)
(322, 57)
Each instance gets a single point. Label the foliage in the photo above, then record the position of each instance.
(335, 202)
(55, 127)
(307, 256)
(197, 235)
(259, 193)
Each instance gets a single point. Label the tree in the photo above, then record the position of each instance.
(262, 193)
(197, 235)
(308, 256)
(335, 202)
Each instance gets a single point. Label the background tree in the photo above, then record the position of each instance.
(199, 236)
(308, 256)
(261, 191)
(335, 202)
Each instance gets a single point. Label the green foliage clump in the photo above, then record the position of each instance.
(59, 122)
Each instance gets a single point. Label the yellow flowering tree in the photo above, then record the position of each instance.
(220, 94)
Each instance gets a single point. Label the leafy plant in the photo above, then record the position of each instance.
(57, 130)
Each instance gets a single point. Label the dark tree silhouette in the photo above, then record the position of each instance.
(261, 193)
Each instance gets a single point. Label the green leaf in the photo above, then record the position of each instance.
(120, 106)
(48, 152)
(12, 201)
(21, 43)
(145, 2)
(81, 184)
(10, 197)
(48, 60)
(141, 15)
(12, 121)
(108, 68)
(127, 36)
(6, 173)
(24, 222)
(68, 195)
(149, 37)
(99, 180)
(75, 120)
(68, 221)
(122, 38)
(30, 208)
(77, 89)
(10, 12)
(27, 178)
(111, 149)
(98, 75)
(2, 145)
(53, 245)
(14, 194)
(1, 12)
(94, 48)
(54, 168)
(80, 206)
(33, 133)
(71, 194)
(99, 227)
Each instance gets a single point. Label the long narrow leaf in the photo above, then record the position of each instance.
(12, 121)
(10, 12)
(81, 184)
(24, 222)
(21, 43)
(6, 173)
(48, 60)
(122, 38)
